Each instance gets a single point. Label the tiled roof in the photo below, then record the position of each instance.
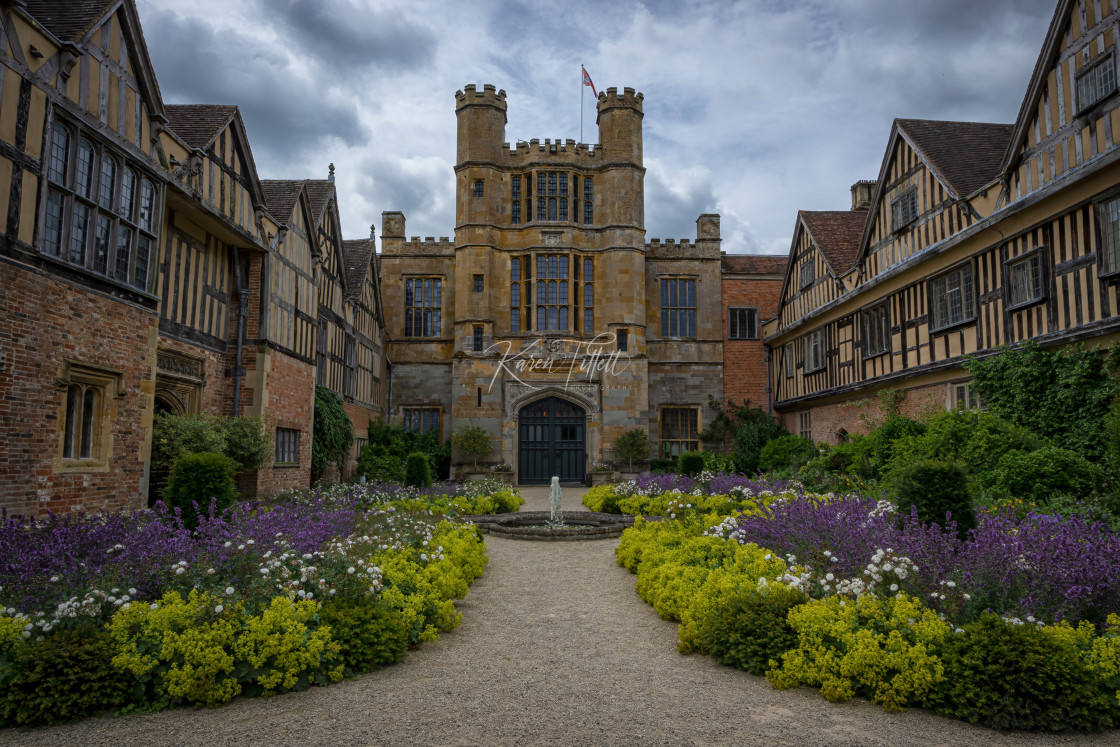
(199, 124)
(965, 155)
(69, 20)
(837, 233)
(754, 264)
(280, 197)
(319, 192)
(357, 253)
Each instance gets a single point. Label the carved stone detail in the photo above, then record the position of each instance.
(518, 394)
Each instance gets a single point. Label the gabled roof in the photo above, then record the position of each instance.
(319, 191)
(963, 155)
(356, 256)
(1051, 48)
(754, 264)
(280, 197)
(199, 124)
(837, 234)
(70, 20)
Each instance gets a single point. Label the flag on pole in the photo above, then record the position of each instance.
(587, 82)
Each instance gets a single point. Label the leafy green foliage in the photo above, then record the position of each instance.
(389, 445)
(632, 445)
(473, 442)
(66, 676)
(333, 432)
(748, 628)
(243, 439)
(741, 428)
(690, 463)
(1019, 677)
(417, 471)
(1042, 475)
(1063, 395)
(370, 633)
(974, 440)
(934, 489)
(201, 478)
(882, 440)
(785, 453)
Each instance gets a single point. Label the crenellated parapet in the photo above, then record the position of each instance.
(559, 152)
(488, 96)
(611, 99)
(705, 246)
(393, 241)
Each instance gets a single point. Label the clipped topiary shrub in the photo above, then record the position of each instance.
(417, 471)
(370, 634)
(1008, 676)
(203, 478)
(1041, 475)
(65, 677)
(784, 453)
(749, 628)
(934, 489)
(690, 463)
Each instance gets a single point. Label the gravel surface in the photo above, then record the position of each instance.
(555, 648)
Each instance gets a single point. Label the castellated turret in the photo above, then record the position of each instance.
(620, 125)
(482, 123)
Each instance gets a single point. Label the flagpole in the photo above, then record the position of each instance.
(582, 72)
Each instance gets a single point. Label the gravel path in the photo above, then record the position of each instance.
(555, 648)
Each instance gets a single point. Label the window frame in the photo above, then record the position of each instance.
(1105, 267)
(805, 424)
(477, 340)
(904, 208)
(666, 310)
(815, 338)
(479, 188)
(968, 310)
(958, 391)
(286, 440)
(436, 308)
(663, 441)
(107, 384)
(407, 412)
(1038, 254)
(139, 228)
(789, 362)
(807, 273)
(883, 331)
(751, 320)
(1106, 61)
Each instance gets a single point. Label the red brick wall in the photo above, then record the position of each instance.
(47, 321)
(216, 387)
(744, 361)
(862, 414)
(288, 403)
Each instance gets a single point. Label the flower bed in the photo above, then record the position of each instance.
(837, 593)
(134, 612)
(492, 495)
(667, 495)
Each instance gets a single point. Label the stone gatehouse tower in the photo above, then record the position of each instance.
(549, 319)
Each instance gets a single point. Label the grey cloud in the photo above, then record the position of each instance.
(343, 35)
(425, 193)
(672, 213)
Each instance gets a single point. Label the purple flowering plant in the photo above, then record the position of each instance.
(57, 570)
(1034, 566)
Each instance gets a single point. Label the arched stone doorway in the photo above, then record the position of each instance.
(552, 440)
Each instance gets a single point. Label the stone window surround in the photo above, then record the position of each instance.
(680, 441)
(422, 412)
(286, 447)
(109, 383)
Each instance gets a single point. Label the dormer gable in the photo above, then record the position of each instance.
(1069, 116)
(929, 171)
(824, 249)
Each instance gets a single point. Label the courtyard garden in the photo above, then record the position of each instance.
(142, 611)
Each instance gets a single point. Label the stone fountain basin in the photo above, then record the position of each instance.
(533, 525)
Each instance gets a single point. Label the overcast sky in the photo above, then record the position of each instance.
(753, 109)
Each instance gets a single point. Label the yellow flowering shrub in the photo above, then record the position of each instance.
(11, 634)
(281, 650)
(184, 644)
(601, 498)
(408, 588)
(1100, 653)
(877, 647)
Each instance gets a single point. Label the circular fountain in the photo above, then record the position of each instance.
(538, 525)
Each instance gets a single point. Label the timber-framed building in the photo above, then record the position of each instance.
(973, 236)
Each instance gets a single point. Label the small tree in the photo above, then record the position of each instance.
(631, 445)
(473, 442)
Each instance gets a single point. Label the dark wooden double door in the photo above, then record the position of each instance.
(552, 436)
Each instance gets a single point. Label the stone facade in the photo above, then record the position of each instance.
(550, 292)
